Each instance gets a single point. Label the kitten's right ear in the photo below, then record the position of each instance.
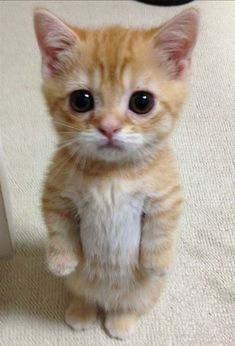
(56, 41)
(175, 41)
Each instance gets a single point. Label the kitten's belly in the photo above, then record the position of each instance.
(110, 231)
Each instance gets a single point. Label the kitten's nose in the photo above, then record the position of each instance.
(109, 128)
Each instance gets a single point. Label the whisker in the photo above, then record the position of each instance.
(67, 143)
(63, 164)
(65, 124)
(67, 132)
(73, 170)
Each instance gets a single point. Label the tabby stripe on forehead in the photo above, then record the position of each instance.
(123, 69)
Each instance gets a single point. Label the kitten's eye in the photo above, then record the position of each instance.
(81, 101)
(141, 102)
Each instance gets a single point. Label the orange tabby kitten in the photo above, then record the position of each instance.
(112, 198)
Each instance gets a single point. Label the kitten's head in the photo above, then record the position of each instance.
(114, 93)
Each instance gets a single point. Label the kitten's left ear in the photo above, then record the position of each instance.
(175, 41)
(56, 41)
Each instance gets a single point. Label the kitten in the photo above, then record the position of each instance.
(112, 197)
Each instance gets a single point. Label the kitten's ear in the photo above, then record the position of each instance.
(175, 40)
(56, 41)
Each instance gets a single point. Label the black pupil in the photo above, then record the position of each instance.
(81, 101)
(141, 102)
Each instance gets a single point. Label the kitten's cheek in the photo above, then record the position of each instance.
(165, 125)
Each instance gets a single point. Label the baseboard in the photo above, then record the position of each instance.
(6, 232)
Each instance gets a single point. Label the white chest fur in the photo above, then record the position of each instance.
(110, 226)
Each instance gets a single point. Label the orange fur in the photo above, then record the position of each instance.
(86, 190)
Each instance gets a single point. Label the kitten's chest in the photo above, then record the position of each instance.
(110, 224)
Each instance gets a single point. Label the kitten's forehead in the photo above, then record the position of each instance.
(95, 81)
(110, 61)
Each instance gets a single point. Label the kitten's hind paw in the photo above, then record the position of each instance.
(120, 325)
(80, 315)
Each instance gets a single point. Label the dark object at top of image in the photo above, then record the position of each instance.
(165, 2)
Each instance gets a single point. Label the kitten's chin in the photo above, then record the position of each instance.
(116, 151)
(119, 154)
(110, 153)
(105, 153)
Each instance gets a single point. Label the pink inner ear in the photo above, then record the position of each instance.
(52, 61)
(181, 67)
(181, 58)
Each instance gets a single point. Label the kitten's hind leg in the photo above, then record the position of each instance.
(121, 325)
(80, 314)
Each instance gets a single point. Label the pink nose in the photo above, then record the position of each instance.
(108, 129)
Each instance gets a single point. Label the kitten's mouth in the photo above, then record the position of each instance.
(110, 145)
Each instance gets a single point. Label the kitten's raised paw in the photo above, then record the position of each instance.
(80, 315)
(120, 326)
(61, 264)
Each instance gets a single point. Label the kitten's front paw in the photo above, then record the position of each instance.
(61, 264)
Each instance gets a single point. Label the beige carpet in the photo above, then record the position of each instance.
(198, 306)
